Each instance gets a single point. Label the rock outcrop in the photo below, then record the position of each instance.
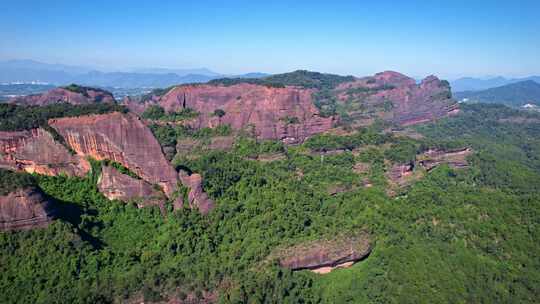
(196, 197)
(321, 254)
(122, 138)
(286, 114)
(401, 175)
(25, 209)
(79, 95)
(397, 98)
(116, 185)
(399, 172)
(36, 151)
(454, 158)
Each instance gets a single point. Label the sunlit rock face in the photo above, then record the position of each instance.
(36, 151)
(399, 99)
(324, 255)
(286, 114)
(122, 138)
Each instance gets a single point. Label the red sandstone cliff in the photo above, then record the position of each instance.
(325, 253)
(62, 95)
(122, 138)
(115, 185)
(36, 151)
(286, 114)
(25, 209)
(397, 98)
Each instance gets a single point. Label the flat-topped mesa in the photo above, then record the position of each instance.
(25, 209)
(36, 151)
(282, 113)
(122, 138)
(325, 255)
(399, 99)
(116, 185)
(72, 94)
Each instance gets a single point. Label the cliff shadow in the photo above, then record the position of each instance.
(72, 213)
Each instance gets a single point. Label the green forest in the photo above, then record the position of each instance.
(455, 236)
(300, 78)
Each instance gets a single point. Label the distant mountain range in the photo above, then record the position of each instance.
(27, 71)
(477, 84)
(515, 94)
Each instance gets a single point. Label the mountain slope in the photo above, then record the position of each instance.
(514, 95)
(477, 84)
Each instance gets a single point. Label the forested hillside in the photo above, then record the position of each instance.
(513, 95)
(452, 236)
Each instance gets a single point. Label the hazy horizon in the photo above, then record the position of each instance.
(451, 40)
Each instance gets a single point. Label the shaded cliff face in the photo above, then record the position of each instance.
(115, 185)
(397, 98)
(25, 209)
(62, 95)
(286, 114)
(332, 253)
(122, 138)
(35, 151)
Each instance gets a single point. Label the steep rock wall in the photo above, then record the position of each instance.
(286, 114)
(36, 151)
(122, 138)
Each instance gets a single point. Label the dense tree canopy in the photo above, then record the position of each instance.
(455, 236)
(16, 118)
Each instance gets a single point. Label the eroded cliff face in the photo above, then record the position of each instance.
(25, 209)
(286, 114)
(323, 256)
(122, 138)
(397, 98)
(62, 95)
(115, 185)
(36, 151)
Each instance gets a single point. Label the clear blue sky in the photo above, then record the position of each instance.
(449, 38)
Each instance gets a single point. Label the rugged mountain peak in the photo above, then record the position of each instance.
(72, 94)
(397, 98)
(394, 78)
(25, 209)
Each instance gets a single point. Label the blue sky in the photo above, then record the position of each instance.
(448, 38)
